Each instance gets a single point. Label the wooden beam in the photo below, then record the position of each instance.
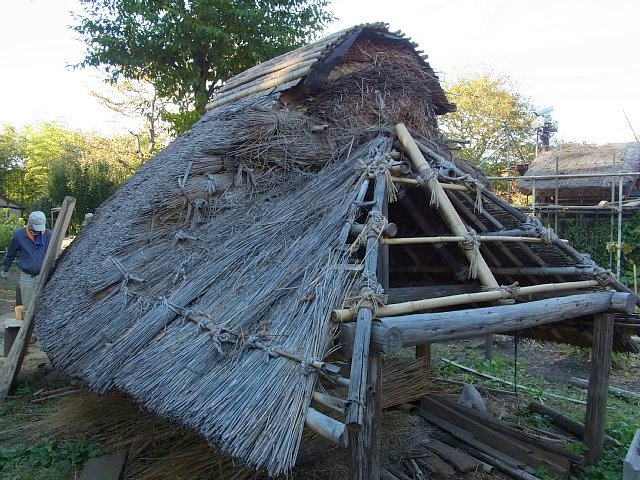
(414, 182)
(598, 385)
(346, 315)
(13, 362)
(326, 427)
(456, 239)
(390, 333)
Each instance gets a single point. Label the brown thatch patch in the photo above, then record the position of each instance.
(574, 159)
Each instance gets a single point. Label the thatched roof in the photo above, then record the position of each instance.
(577, 159)
(204, 287)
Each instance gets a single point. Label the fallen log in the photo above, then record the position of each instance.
(392, 333)
(566, 423)
(582, 383)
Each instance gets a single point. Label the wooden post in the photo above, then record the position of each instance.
(598, 385)
(359, 416)
(12, 364)
(448, 214)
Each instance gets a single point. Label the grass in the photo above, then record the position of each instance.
(623, 416)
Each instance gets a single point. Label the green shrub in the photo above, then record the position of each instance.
(8, 225)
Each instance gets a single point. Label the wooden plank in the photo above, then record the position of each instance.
(13, 363)
(598, 386)
(434, 464)
(525, 453)
(462, 461)
(390, 333)
(105, 467)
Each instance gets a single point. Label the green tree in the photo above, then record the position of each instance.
(495, 117)
(188, 48)
(11, 164)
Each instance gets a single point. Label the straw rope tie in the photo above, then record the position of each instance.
(211, 184)
(370, 294)
(546, 234)
(376, 223)
(381, 165)
(198, 217)
(472, 242)
(509, 292)
(474, 183)
(269, 353)
(605, 277)
(180, 235)
(307, 365)
(423, 180)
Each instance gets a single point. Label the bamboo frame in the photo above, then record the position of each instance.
(414, 182)
(429, 240)
(346, 315)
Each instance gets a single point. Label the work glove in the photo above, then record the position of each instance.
(4, 274)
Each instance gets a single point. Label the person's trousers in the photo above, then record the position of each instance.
(27, 287)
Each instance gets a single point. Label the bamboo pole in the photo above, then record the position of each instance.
(234, 95)
(481, 238)
(448, 214)
(346, 315)
(414, 182)
(326, 427)
(13, 362)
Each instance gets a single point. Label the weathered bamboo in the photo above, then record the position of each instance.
(362, 434)
(390, 230)
(267, 83)
(445, 186)
(335, 404)
(543, 271)
(13, 362)
(448, 213)
(457, 239)
(280, 69)
(346, 315)
(410, 330)
(326, 427)
(359, 359)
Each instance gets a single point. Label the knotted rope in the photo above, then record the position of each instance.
(472, 183)
(198, 217)
(423, 180)
(472, 242)
(307, 365)
(381, 165)
(211, 184)
(508, 292)
(180, 235)
(376, 223)
(124, 284)
(370, 294)
(605, 277)
(534, 224)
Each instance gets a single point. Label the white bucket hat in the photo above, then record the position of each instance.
(38, 221)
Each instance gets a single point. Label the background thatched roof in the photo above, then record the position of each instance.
(574, 159)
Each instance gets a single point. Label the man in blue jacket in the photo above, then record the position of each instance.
(29, 245)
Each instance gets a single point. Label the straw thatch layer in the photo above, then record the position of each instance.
(578, 159)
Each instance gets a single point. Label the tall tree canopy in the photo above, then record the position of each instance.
(495, 117)
(187, 48)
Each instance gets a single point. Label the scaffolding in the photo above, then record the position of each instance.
(614, 208)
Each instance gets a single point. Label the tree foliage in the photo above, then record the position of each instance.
(496, 119)
(187, 48)
(49, 162)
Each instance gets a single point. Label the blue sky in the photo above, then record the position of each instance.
(579, 56)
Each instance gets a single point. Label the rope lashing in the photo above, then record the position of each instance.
(219, 337)
(472, 242)
(376, 223)
(307, 365)
(381, 165)
(269, 353)
(508, 292)
(198, 216)
(126, 278)
(605, 277)
(180, 235)
(211, 184)
(423, 180)
(370, 294)
(534, 224)
(472, 183)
